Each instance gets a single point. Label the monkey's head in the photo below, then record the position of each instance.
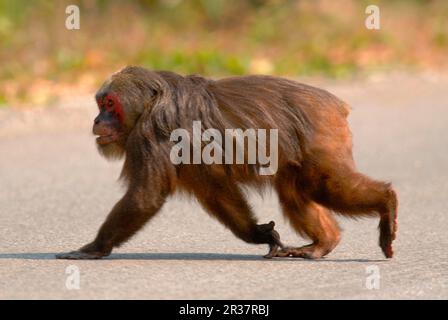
(121, 101)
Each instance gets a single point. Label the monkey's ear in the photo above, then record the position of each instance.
(153, 94)
(160, 113)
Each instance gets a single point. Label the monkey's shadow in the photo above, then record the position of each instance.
(192, 256)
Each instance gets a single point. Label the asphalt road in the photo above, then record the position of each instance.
(55, 191)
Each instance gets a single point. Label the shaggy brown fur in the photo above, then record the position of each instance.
(316, 172)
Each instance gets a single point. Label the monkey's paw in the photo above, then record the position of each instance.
(310, 251)
(273, 239)
(80, 255)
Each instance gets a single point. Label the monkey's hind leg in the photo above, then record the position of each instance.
(356, 195)
(226, 202)
(308, 218)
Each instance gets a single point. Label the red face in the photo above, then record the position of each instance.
(108, 125)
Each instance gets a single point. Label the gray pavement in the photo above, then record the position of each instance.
(55, 191)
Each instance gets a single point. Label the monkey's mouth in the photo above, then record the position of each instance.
(102, 140)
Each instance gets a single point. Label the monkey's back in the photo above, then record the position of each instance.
(309, 119)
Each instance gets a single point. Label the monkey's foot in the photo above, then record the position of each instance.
(273, 239)
(80, 255)
(275, 246)
(311, 251)
(388, 226)
(387, 236)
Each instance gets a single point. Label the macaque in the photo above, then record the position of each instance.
(315, 175)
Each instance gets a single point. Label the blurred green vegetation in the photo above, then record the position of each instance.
(40, 58)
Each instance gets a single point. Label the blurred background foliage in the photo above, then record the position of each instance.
(40, 59)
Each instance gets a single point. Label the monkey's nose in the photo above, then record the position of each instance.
(96, 121)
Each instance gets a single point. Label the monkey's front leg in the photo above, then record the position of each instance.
(127, 217)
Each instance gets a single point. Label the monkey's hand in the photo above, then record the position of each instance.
(273, 238)
(88, 252)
